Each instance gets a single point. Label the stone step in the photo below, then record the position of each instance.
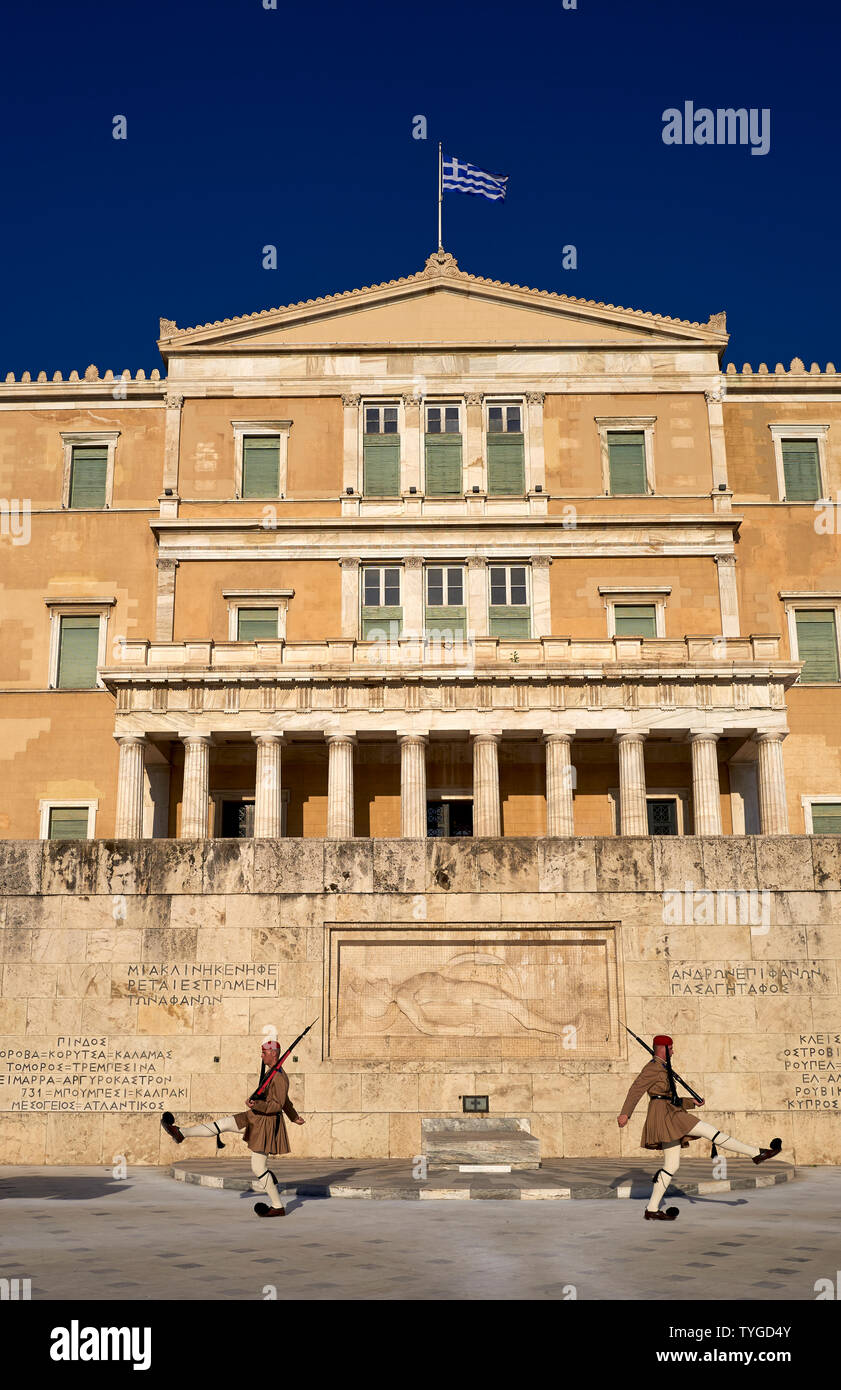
(557, 1179)
(482, 1142)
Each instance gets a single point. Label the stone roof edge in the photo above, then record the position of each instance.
(439, 266)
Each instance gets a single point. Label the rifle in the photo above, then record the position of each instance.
(650, 1050)
(277, 1066)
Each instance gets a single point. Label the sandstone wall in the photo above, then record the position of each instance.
(439, 968)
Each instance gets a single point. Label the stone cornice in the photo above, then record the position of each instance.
(395, 539)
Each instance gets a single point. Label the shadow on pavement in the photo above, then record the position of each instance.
(54, 1187)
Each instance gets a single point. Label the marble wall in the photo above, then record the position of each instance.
(141, 976)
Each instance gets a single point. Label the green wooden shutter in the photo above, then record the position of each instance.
(826, 818)
(256, 624)
(445, 623)
(506, 465)
(381, 624)
(260, 466)
(626, 455)
(68, 823)
(88, 476)
(635, 619)
(381, 466)
(443, 465)
(817, 644)
(509, 620)
(801, 470)
(78, 649)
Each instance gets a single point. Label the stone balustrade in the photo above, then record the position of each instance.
(717, 652)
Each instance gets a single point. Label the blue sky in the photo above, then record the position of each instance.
(292, 127)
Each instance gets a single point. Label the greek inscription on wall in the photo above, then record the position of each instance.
(185, 983)
(813, 1060)
(87, 1074)
(751, 978)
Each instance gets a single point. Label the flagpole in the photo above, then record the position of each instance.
(440, 194)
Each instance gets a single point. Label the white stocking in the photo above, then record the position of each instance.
(723, 1141)
(226, 1126)
(263, 1179)
(671, 1163)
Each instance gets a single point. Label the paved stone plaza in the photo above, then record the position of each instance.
(78, 1233)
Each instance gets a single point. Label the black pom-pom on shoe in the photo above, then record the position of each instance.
(169, 1127)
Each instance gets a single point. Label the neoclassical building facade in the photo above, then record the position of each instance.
(438, 557)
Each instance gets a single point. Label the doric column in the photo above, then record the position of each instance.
(728, 595)
(165, 601)
(350, 453)
(411, 451)
(537, 465)
(477, 596)
(129, 823)
(633, 817)
(559, 783)
(267, 789)
(487, 819)
(541, 612)
(173, 400)
(340, 786)
(706, 799)
(350, 597)
(773, 809)
(474, 472)
(413, 786)
(194, 798)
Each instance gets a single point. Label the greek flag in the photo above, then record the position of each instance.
(459, 177)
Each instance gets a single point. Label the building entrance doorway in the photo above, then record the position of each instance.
(445, 818)
(662, 815)
(237, 819)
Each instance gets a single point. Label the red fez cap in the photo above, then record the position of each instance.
(663, 1040)
(272, 1042)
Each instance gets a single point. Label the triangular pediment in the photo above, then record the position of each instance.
(441, 306)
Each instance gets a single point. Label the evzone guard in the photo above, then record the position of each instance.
(669, 1124)
(261, 1125)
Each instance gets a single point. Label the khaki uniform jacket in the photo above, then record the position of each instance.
(664, 1123)
(265, 1131)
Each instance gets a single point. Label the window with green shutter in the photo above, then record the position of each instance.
(801, 468)
(68, 823)
(442, 451)
(78, 648)
(443, 465)
(635, 619)
(826, 817)
(445, 612)
(381, 452)
(382, 614)
(88, 476)
(817, 645)
(626, 462)
(380, 466)
(506, 451)
(509, 614)
(506, 465)
(257, 624)
(260, 465)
